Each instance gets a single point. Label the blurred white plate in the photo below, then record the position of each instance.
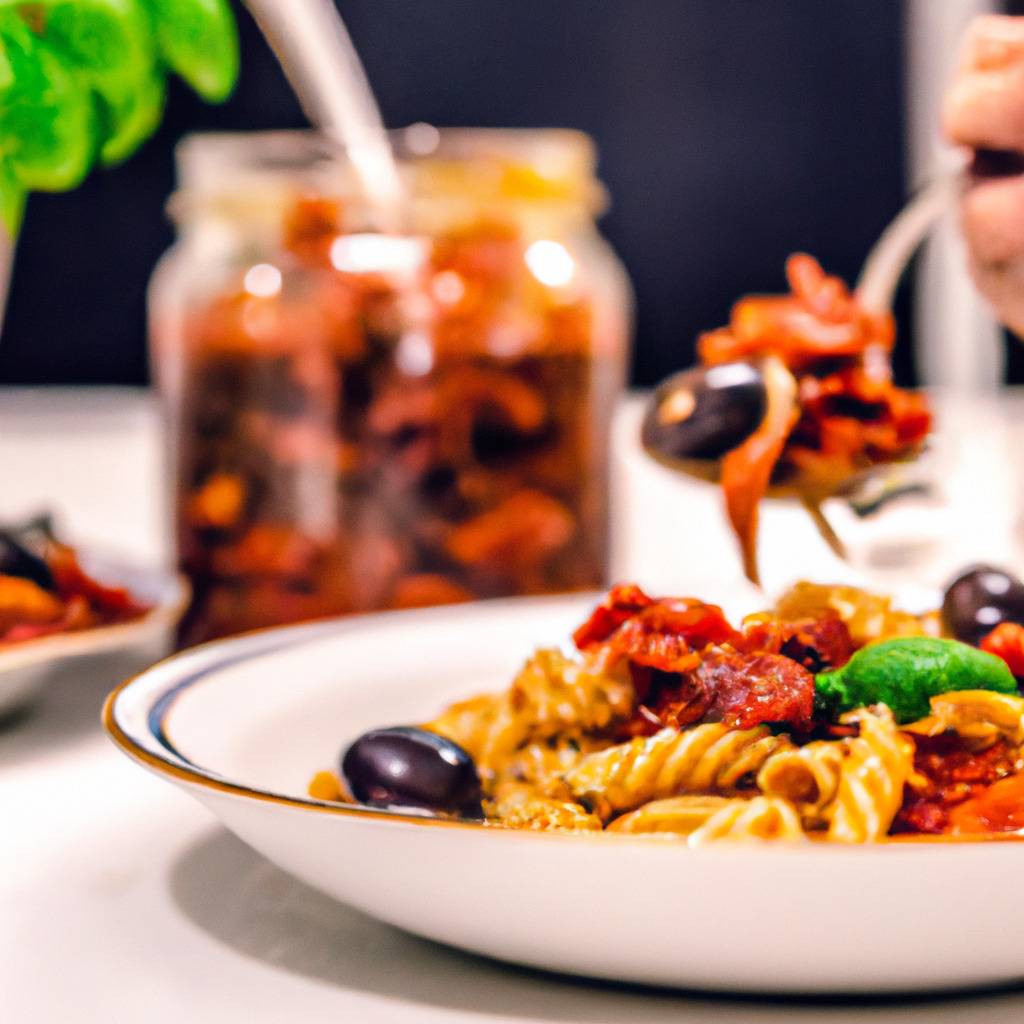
(25, 666)
(243, 724)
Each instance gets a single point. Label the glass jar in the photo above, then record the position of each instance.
(363, 421)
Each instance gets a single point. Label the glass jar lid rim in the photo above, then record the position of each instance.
(524, 165)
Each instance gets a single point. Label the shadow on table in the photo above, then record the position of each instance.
(239, 898)
(66, 709)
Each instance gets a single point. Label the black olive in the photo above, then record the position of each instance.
(704, 412)
(407, 767)
(979, 599)
(18, 560)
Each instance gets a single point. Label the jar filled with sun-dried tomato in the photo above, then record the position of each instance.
(363, 420)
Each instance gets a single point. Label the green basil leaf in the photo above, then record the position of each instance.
(133, 117)
(47, 116)
(12, 200)
(198, 40)
(6, 73)
(111, 45)
(906, 672)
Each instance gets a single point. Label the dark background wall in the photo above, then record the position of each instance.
(731, 133)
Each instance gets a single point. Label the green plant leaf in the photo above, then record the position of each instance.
(47, 116)
(111, 46)
(12, 200)
(6, 73)
(906, 671)
(199, 41)
(135, 117)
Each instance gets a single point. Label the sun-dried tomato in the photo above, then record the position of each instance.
(689, 664)
(997, 808)
(737, 688)
(697, 623)
(25, 602)
(852, 419)
(817, 644)
(679, 700)
(423, 590)
(749, 689)
(820, 319)
(268, 549)
(666, 637)
(310, 227)
(72, 580)
(656, 638)
(641, 641)
(623, 602)
(1006, 641)
(521, 532)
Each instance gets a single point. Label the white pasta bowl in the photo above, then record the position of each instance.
(243, 724)
(26, 666)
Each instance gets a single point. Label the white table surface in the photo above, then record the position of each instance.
(122, 900)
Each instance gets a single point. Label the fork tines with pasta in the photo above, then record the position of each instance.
(832, 716)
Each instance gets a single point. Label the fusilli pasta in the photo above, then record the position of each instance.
(761, 817)
(676, 815)
(878, 764)
(704, 758)
(807, 776)
(552, 695)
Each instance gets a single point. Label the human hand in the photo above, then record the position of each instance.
(984, 111)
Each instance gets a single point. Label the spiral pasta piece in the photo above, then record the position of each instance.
(553, 695)
(806, 776)
(704, 758)
(559, 695)
(980, 715)
(760, 818)
(877, 765)
(676, 815)
(868, 616)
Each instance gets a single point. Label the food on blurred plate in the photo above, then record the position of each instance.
(379, 422)
(833, 716)
(44, 590)
(794, 396)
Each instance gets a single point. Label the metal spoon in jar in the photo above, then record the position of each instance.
(321, 64)
(698, 417)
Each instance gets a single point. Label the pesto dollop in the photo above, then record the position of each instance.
(905, 673)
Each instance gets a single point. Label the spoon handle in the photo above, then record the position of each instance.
(895, 247)
(321, 64)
